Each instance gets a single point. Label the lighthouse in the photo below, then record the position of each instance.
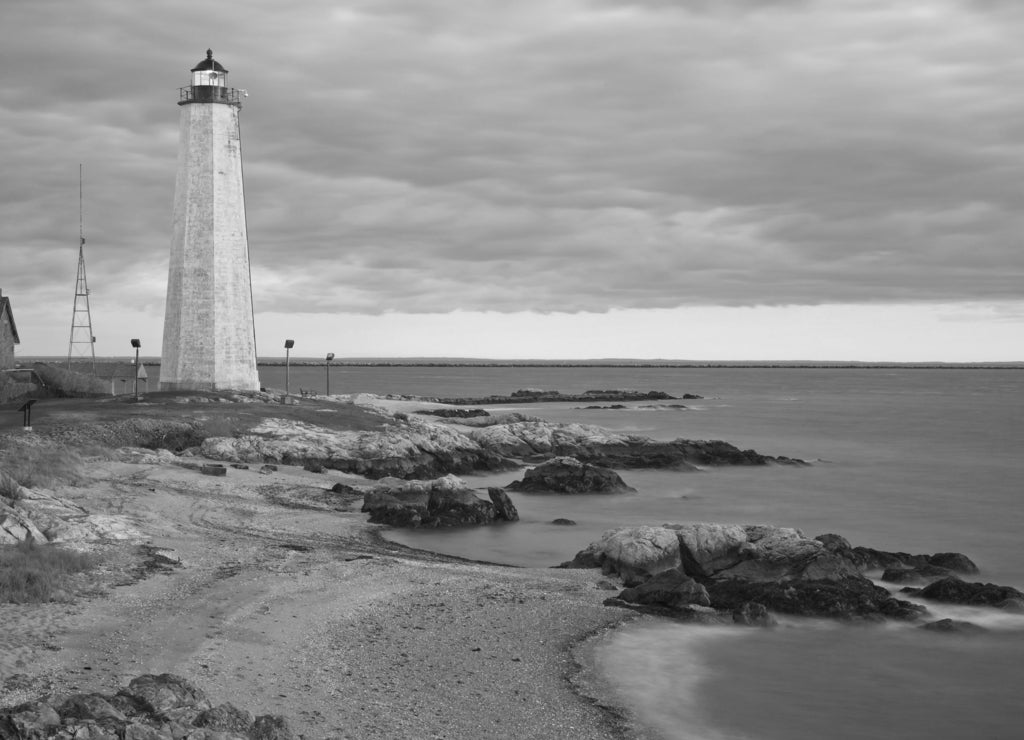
(209, 334)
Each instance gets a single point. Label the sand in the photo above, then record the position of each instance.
(287, 601)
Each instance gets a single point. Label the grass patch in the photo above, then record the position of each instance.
(32, 573)
(42, 465)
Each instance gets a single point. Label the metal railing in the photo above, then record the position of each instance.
(208, 94)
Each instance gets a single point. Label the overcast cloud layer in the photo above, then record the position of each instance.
(421, 156)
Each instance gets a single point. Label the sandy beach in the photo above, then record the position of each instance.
(286, 601)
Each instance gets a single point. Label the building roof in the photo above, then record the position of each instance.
(209, 63)
(5, 310)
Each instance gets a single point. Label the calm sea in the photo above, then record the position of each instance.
(904, 459)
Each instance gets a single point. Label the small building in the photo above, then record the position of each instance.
(8, 333)
(121, 376)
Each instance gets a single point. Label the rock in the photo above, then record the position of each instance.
(313, 466)
(634, 553)
(213, 469)
(454, 413)
(503, 506)
(951, 590)
(954, 625)
(539, 395)
(752, 614)
(670, 589)
(903, 574)
(869, 559)
(164, 707)
(345, 489)
(756, 553)
(271, 727)
(225, 718)
(267, 469)
(415, 449)
(541, 440)
(850, 598)
(954, 561)
(569, 475)
(165, 693)
(443, 502)
(563, 522)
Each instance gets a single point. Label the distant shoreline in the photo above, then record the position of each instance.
(632, 364)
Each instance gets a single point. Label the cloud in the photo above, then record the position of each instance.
(551, 156)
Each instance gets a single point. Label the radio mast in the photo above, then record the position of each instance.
(82, 344)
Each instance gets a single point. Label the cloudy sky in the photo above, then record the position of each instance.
(699, 179)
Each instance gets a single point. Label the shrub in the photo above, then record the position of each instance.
(70, 384)
(9, 487)
(33, 573)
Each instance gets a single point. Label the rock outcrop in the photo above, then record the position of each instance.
(163, 707)
(540, 440)
(538, 395)
(746, 569)
(416, 449)
(569, 475)
(443, 502)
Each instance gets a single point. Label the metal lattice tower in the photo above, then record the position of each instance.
(82, 345)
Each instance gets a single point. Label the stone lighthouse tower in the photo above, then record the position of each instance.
(209, 336)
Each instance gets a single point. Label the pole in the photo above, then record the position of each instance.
(327, 365)
(287, 370)
(136, 374)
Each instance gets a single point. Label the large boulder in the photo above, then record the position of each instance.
(952, 590)
(670, 589)
(634, 553)
(443, 502)
(756, 553)
(569, 475)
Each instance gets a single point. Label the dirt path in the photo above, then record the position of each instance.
(305, 612)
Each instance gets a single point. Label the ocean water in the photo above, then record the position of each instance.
(917, 460)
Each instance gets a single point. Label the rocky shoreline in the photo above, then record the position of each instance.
(241, 550)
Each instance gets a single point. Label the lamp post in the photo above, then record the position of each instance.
(288, 344)
(136, 344)
(330, 356)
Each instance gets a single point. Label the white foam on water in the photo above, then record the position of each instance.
(655, 671)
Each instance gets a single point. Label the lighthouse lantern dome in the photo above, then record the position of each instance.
(209, 72)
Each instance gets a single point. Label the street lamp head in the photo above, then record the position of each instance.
(136, 343)
(330, 356)
(289, 343)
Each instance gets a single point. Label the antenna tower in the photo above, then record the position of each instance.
(82, 345)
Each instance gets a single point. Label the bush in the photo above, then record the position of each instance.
(9, 488)
(32, 573)
(69, 384)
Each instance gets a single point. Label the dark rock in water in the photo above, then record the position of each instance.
(902, 574)
(671, 589)
(849, 598)
(691, 396)
(564, 522)
(503, 506)
(752, 614)
(345, 489)
(953, 561)
(867, 559)
(444, 502)
(1011, 605)
(537, 395)
(952, 590)
(214, 469)
(954, 625)
(569, 475)
(454, 413)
